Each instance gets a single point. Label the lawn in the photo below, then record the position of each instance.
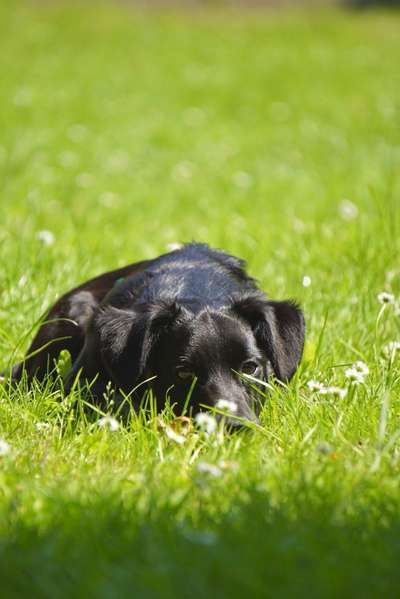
(274, 136)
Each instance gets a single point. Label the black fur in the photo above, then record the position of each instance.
(193, 312)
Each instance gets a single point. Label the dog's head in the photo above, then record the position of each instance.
(180, 346)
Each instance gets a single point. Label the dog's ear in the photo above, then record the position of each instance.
(279, 330)
(127, 338)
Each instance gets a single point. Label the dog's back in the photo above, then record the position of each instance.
(194, 274)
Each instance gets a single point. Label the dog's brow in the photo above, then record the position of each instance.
(218, 338)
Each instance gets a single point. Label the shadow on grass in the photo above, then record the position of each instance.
(255, 550)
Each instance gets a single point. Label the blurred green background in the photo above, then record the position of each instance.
(123, 131)
(273, 134)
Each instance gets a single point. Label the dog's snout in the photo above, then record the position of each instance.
(235, 413)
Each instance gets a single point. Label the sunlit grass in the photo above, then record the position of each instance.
(274, 136)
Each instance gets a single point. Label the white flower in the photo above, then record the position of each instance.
(391, 348)
(314, 385)
(361, 367)
(228, 465)
(206, 422)
(42, 426)
(46, 237)
(348, 210)
(357, 373)
(330, 390)
(4, 447)
(108, 422)
(225, 404)
(171, 434)
(206, 468)
(324, 448)
(22, 281)
(385, 298)
(2, 379)
(338, 392)
(354, 376)
(306, 281)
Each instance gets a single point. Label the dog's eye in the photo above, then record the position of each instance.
(249, 367)
(185, 375)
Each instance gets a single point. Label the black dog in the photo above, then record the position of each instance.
(190, 314)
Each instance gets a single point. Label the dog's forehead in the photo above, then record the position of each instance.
(221, 335)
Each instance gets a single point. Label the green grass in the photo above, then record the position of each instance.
(123, 132)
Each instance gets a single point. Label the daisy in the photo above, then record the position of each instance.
(4, 447)
(338, 392)
(354, 376)
(46, 237)
(206, 468)
(173, 436)
(206, 422)
(314, 385)
(225, 404)
(361, 367)
(348, 210)
(108, 422)
(386, 298)
(228, 465)
(41, 426)
(391, 348)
